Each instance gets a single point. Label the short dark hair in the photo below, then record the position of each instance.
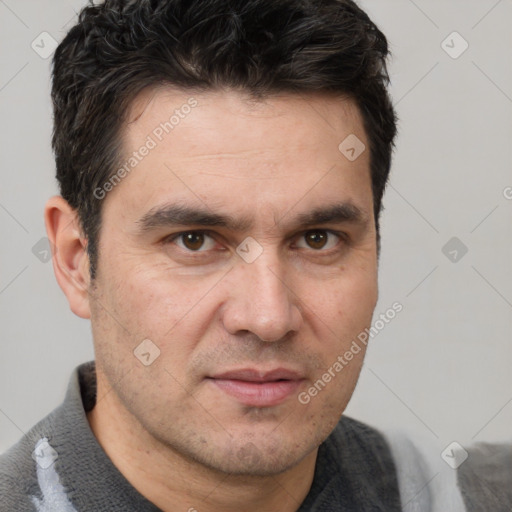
(119, 48)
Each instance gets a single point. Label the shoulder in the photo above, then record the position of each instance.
(27, 469)
(362, 440)
(436, 476)
(18, 480)
(485, 477)
(29, 478)
(361, 459)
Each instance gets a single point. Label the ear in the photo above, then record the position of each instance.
(70, 259)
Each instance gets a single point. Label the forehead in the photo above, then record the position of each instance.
(166, 112)
(209, 146)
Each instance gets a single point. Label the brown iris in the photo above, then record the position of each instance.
(193, 241)
(316, 239)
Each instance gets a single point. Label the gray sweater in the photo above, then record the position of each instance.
(60, 467)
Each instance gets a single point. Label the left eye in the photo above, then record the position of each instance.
(320, 239)
(194, 240)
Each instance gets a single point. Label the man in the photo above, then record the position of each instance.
(221, 166)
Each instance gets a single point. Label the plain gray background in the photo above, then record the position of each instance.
(441, 368)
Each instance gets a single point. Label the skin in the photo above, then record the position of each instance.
(179, 439)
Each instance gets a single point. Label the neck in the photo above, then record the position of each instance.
(173, 482)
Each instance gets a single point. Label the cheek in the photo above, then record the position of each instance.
(170, 311)
(148, 302)
(360, 299)
(347, 305)
(362, 286)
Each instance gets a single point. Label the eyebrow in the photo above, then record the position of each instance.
(181, 215)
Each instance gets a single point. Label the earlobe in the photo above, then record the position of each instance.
(70, 259)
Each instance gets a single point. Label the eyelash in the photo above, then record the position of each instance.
(342, 236)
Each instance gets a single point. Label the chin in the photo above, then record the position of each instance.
(250, 461)
(249, 453)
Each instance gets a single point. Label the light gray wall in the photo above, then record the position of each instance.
(441, 368)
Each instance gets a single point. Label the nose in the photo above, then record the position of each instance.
(261, 301)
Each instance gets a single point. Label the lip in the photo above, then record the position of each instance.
(258, 388)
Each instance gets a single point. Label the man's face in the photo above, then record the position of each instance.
(243, 326)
